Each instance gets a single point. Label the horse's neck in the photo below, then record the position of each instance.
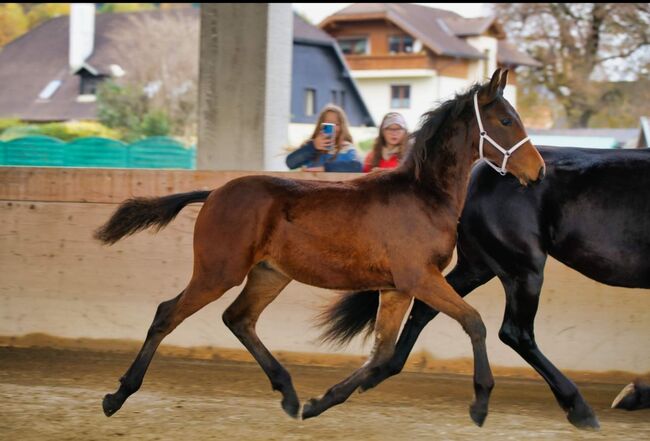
(449, 170)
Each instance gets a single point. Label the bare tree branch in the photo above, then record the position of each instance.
(575, 42)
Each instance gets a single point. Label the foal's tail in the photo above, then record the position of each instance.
(351, 314)
(137, 214)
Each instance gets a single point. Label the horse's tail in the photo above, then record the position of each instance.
(137, 214)
(349, 315)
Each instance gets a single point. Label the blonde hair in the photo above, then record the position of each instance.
(342, 132)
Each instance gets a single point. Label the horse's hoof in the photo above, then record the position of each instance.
(309, 409)
(291, 406)
(622, 399)
(110, 404)
(583, 417)
(478, 414)
(634, 396)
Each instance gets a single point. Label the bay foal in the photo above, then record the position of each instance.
(275, 230)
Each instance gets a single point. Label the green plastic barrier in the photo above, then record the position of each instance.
(35, 151)
(161, 152)
(154, 152)
(96, 152)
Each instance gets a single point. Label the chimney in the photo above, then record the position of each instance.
(82, 33)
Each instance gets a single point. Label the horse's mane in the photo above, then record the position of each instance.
(430, 134)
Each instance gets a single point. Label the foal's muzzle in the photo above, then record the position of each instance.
(540, 176)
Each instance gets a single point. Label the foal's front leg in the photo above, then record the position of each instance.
(392, 307)
(436, 292)
(464, 278)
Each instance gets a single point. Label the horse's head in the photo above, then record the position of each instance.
(503, 142)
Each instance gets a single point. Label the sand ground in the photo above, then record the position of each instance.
(56, 394)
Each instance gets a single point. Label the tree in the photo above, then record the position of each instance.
(582, 46)
(13, 22)
(41, 12)
(18, 18)
(158, 91)
(127, 109)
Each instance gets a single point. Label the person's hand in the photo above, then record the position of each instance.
(323, 142)
(314, 169)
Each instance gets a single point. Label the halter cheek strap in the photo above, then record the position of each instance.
(484, 136)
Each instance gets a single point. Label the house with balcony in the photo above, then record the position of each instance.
(406, 58)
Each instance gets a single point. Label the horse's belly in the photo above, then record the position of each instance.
(610, 260)
(324, 268)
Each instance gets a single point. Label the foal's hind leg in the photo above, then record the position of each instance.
(169, 315)
(263, 286)
(392, 307)
(522, 298)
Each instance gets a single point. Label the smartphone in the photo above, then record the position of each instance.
(328, 130)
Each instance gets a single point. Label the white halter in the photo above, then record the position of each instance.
(484, 136)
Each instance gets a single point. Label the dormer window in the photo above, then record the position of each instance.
(354, 46)
(400, 44)
(88, 85)
(89, 80)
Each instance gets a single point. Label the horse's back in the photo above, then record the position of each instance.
(598, 214)
(591, 212)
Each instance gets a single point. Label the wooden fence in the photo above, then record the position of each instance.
(57, 280)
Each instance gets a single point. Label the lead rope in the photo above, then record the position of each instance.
(484, 136)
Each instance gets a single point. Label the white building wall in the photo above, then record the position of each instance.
(448, 87)
(510, 93)
(426, 94)
(477, 71)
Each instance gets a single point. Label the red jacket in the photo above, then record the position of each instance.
(391, 163)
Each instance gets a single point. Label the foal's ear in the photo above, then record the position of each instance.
(491, 91)
(504, 81)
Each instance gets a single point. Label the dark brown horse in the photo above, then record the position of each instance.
(393, 231)
(592, 213)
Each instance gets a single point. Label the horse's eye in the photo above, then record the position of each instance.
(506, 121)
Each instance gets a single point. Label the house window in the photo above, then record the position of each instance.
(400, 44)
(88, 85)
(49, 90)
(310, 102)
(338, 98)
(400, 97)
(354, 46)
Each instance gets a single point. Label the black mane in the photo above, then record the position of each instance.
(430, 134)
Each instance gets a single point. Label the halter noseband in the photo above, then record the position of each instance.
(484, 136)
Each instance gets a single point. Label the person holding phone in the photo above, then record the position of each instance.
(330, 147)
(390, 145)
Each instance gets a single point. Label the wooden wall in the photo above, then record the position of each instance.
(57, 280)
